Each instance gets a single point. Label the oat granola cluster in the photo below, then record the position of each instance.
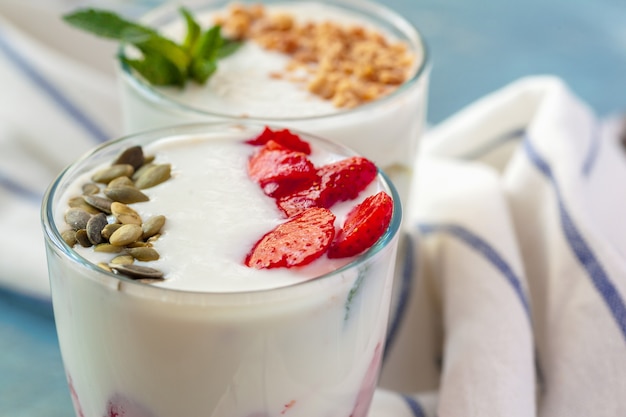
(348, 65)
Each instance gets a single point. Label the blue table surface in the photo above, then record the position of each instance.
(475, 47)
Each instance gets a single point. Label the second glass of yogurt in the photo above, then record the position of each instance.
(214, 337)
(253, 83)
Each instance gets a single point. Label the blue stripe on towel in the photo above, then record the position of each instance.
(51, 91)
(408, 272)
(581, 249)
(592, 152)
(19, 190)
(415, 406)
(482, 247)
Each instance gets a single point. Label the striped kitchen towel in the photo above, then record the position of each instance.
(518, 305)
(52, 109)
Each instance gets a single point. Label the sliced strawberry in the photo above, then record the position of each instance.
(344, 180)
(280, 171)
(339, 181)
(364, 225)
(295, 203)
(297, 242)
(284, 137)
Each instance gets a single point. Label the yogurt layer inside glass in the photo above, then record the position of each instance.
(216, 337)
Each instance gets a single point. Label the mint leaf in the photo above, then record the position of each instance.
(204, 55)
(193, 30)
(229, 47)
(156, 69)
(105, 24)
(163, 62)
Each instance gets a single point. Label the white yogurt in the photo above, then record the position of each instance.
(311, 349)
(215, 213)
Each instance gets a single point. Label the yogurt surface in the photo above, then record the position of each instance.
(214, 214)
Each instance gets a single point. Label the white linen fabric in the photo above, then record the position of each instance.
(53, 108)
(518, 218)
(513, 301)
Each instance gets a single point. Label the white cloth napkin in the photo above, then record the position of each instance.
(519, 303)
(52, 109)
(514, 303)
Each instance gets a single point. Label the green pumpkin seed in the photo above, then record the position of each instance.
(94, 228)
(125, 194)
(143, 254)
(146, 166)
(108, 174)
(125, 214)
(137, 271)
(90, 189)
(79, 202)
(132, 156)
(100, 203)
(139, 244)
(104, 266)
(109, 229)
(123, 260)
(126, 234)
(107, 248)
(121, 181)
(153, 176)
(77, 218)
(82, 238)
(152, 226)
(69, 236)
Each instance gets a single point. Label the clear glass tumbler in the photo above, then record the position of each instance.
(386, 130)
(133, 349)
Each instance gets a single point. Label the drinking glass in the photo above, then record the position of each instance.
(135, 349)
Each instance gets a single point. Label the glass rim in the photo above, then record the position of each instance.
(391, 16)
(52, 234)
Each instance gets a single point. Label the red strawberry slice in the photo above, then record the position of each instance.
(281, 171)
(297, 242)
(339, 181)
(284, 137)
(364, 225)
(344, 180)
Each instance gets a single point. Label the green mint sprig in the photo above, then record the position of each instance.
(163, 61)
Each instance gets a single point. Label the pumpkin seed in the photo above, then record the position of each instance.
(146, 166)
(107, 248)
(125, 214)
(108, 174)
(94, 228)
(153, 176)
(82, 238)
(126, 234)
(77, 218)
(109, 229)
(90, 188)
(154, 238)
(120, 181)
(69, 236)
(143, 254)
(125, 194)
(139, 244)
(79, 202)
(104, 266)
(123, 260)
(132, 156)
(100, 203)
(152, 226)
(137, 271)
